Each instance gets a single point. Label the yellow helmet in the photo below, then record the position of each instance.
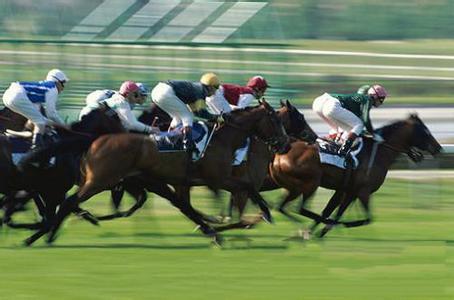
(210, 79)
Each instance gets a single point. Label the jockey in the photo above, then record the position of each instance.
(27, 97)
(122, 102)
(94, 98)
(230, 96)
(178, 98)
(349, 113)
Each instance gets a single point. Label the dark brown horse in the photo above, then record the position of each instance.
(52, 183)
(300, 172)
(139, 154)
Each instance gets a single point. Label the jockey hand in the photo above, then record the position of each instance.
(155, 130)
(378, 138)
(220, 119)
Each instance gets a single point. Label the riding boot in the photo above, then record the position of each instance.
(37, 141)
(345, 148)
(188, 143)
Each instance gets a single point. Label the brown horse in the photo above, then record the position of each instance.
(299, 170)
(113, 157)
(255, 168)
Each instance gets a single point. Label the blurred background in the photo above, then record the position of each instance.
(303, 48)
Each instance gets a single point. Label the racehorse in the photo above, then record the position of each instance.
(139, 154)
(301, 172)
(52, 183)
(255, 168)
(11, 120)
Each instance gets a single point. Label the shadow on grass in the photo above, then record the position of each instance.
(364, 239)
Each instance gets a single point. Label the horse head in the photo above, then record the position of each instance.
(294, 122)
(261, 121)
(422, 138)
(411, 136)
(103, 120)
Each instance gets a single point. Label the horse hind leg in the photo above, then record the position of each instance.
(70, 204)
(291, 195)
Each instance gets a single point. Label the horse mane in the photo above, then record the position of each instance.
(386, 129)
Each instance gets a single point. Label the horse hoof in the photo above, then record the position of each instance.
(267, 218)
(51, 238)
(217, 241)
(28, 242)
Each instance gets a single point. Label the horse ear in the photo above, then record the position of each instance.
(287, 103)
(282, 103)
(266, 104)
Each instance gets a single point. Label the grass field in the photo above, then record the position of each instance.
(407, 253)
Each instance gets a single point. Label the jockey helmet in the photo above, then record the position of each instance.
(128, 87)
(143, 88)
(257, 83)
(210, 79)
(57, 75)
(363, 89)
(376, 91)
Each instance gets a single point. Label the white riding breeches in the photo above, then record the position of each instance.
(164, 96)
(15, 98)
(337, 117)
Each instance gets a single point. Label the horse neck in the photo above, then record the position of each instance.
(230, 137)
(397, 141)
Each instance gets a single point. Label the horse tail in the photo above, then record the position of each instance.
(66, 146)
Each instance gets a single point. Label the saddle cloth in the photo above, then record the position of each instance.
(20, 147)
(172, 141)
(328, 153)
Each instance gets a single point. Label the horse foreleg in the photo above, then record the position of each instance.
(343, 206)
(116, 195)
(234, 185)
(333, 202)
(140, 196)
(181, 200)
(364, 199)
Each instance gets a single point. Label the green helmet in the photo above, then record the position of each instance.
(363, 89)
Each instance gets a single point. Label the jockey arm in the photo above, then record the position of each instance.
(217, 103)
(244, 101)
(129, 120)
(365, 116)
(200, 111)
(51, 107)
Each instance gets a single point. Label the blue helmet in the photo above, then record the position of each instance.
(143, 88)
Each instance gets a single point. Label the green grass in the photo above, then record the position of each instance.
(407, 253)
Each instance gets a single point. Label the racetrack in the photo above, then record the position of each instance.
(405, 254)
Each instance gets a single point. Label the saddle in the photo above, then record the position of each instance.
(328, 152)
(172, 141)
(21, 143)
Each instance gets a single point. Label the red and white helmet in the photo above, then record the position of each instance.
(128, 87)
(257, 83)
(376, 91)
